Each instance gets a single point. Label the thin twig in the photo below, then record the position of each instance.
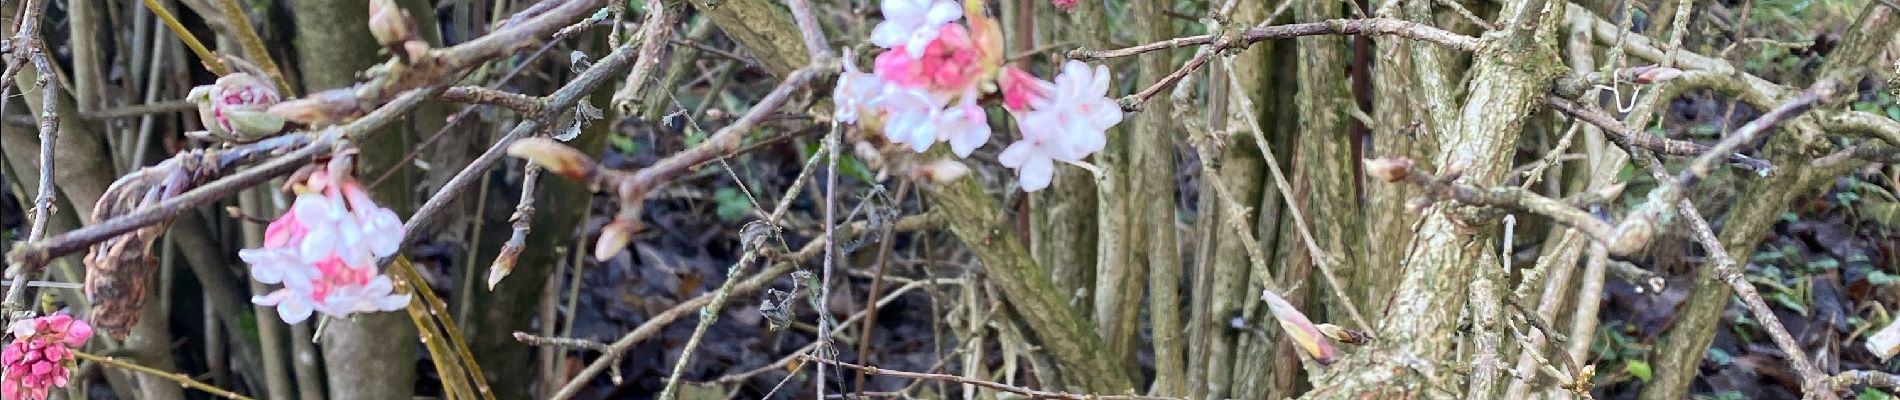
(730, 55)
(27, 42)
(181, 378)
(1628, 138)
(653, 34)
(659, 321)
(1847, 379)
(1365, 26)
(210, 60)
(1813, 381)
(533, 340)
(463, 115)
(1321, 258)
(877, 284)
(527, 106)
(601, 72)
(519, 225)
(454, 377)
(1027, 392)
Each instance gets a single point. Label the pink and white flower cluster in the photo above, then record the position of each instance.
(924, 90)
(324, 252)
(38, 358)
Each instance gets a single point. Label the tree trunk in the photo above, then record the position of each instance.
(370, 356)
(1151, 190)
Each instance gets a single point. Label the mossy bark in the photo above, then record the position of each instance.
(1759, 204)
(1272, 87)
(1062, 218)
(1064, 333)
(1511, 77)
(1151, 191)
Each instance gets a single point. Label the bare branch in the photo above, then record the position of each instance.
(764, 277)
(1627, 138)
(29, 46)
(527, 106)
(1026, 392)
(1367, 26)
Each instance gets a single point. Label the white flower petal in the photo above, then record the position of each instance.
(941, 12)
(294, 312)
(320, 244)
(23, 328)
(918, 41)
(1098, 85)
(392, 302)
(889, 34)
(1016, 154)
(903, 10)
(1036, 174)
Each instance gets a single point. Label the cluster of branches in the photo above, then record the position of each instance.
(417, 75)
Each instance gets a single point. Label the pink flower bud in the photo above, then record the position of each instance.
(229, 106)
(37, 359)
(1065, 5)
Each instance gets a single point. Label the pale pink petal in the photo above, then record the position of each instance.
(1036, 174)
(889, 34)
(23, 328)
(1016, 154)
(942, 12)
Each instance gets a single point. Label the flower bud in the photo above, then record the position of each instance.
(504, 263)
(1391, 169)
(942, 171)
(1304, 334)
(238, 93)
(869, 154)
(393, 28)
(1417, 205)
(614, 238)
(554, 157)
(1345, 335)
(1650, 74)
(319, 109)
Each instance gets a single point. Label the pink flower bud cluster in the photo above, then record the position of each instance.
(234, 106)
(40, 355)
(324, 250)
(925, 88)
